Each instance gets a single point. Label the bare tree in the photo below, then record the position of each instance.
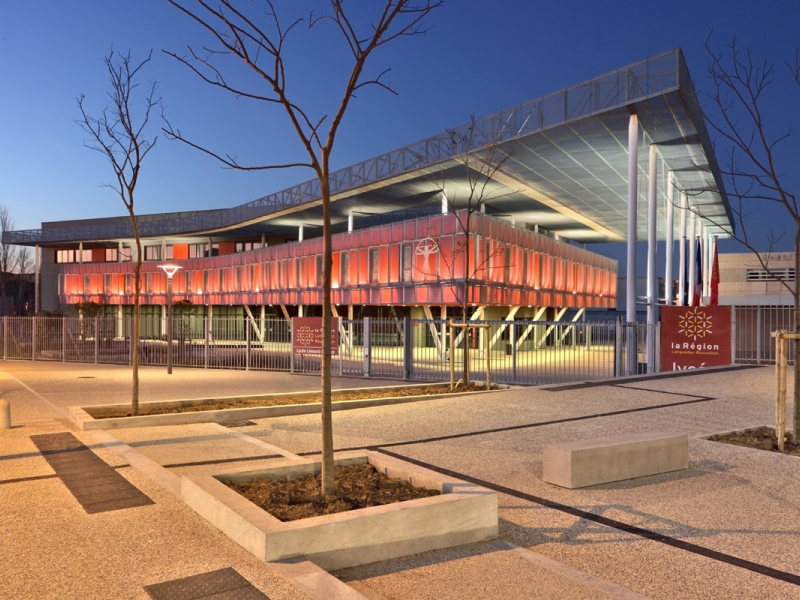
(257, 37)
(754, 171)
(25, 260)
(478, 157)
(9, 255)
(122, 138)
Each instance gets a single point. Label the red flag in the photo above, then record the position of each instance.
(715, 278)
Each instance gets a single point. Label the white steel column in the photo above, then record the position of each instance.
(692, 257)
(119, 251)
(444, 203)
(350, 221)
(633, 165)
(652, 218)
(300, 234)
(670, 243)
(37, 263)
(80, 253)
(682, 298)
(709, 260)
(699, 236)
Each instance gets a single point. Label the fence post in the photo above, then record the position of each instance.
(5, 336)
(206, 328)
(780, 376)
(64, 339)
(248, 339)
(130, 340)
(733, 335)
(96, 338)
(452, 358)
(408, 347)
(33, 339)
(291, 348)
(618, 359)
(758, 336)
(513, 339)
(367, 345)
(488, 358)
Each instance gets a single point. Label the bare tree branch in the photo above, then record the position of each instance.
(120, 137)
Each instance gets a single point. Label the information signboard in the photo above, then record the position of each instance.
(307, 335)
(693, 337)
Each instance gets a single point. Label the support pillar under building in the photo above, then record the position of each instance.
(633, 166)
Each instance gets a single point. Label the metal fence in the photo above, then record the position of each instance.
(519, 352)
(752, 332)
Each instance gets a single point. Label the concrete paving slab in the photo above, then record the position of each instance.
(731, 506)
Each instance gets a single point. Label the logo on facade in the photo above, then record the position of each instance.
(425, 248)
(695, 324)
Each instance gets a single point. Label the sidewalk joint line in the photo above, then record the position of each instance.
(613, 523)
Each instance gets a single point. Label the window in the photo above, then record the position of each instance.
(246, 246)
(111, 255)
(406, 263)
(487, 261)
(126, 253)
(320, 274)
(345, 268)
(786, 274)
(203, 250)
(152, 253)
(107, 283)
(507, 266)
(87, 256)
(374, 265)
(65, 256)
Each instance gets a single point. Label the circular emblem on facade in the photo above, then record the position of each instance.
(425, 248)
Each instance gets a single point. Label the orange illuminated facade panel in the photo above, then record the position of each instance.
(420, 261)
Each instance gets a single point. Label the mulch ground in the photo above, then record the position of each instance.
(256, 401)
(762, 438)
(357, 486)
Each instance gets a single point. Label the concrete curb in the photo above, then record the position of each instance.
(83, 418)
(462, 514)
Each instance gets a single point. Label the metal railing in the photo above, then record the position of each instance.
(520, 352)
(752, 327)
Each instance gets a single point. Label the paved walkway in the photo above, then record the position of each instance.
(724, 528)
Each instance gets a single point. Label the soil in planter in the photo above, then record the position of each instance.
(762, 438)
(255, 401)
(357, 486)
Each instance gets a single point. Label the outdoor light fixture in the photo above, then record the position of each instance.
(170, 270)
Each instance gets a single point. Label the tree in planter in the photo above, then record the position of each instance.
(122, 138)
(240, 34)
(756, 165)
(478, 158)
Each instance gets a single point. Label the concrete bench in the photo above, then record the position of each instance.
(591, 462)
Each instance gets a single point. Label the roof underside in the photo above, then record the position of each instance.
(565, 169)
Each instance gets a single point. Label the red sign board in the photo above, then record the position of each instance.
(693, 337)
(307, 335)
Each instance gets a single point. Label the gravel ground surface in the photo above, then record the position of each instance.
(732, 505)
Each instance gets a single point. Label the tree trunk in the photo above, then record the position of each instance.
(137, 285)
(465, 302)
(328, 481)
(796, 389)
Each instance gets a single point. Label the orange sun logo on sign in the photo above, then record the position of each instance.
(695, 324)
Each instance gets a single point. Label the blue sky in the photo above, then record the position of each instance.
(477, 58)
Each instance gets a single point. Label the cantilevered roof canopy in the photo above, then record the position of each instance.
(566, 170)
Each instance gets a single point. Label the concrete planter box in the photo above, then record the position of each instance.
(83, 416)
(463, 514)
